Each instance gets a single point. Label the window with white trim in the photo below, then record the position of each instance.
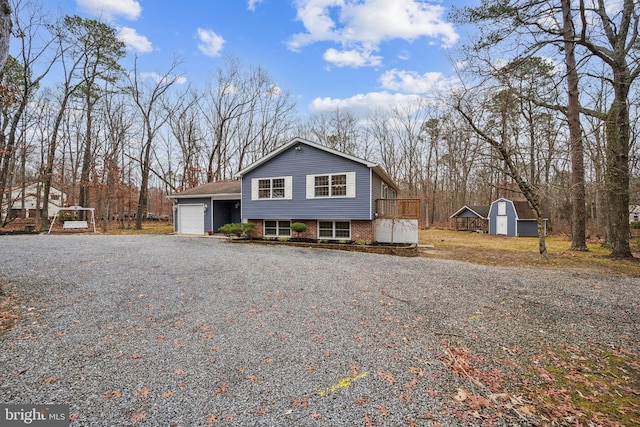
(331, 185)
(334, 230)
(277, 228)
(271, 188)
(502, 208)
(387, 192)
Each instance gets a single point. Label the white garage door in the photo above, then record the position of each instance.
(191, 219)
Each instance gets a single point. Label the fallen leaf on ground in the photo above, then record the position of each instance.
(387, 376)
(461, 395)
(139, 416)
(144, 392)
(112, 395)
(220, 389)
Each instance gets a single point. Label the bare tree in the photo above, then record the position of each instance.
(611, 35)
(527, 28)
(18, 77)
(148, 99)
(117, 122)
(337, 129)
(5, 31)
(247, 115)
(473, 110)
(185, 125)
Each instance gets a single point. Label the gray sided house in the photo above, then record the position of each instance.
(206, 207)
(512, 218)
(336, 195)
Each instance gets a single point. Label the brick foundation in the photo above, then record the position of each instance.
(257, 232)
(361, 231)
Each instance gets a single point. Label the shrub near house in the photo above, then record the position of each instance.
(237, 229)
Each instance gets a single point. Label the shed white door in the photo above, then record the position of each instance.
(191, 219)
(501, 224)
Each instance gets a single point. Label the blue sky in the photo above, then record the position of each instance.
(356, 54)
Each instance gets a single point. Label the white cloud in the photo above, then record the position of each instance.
(110, 9)
(351, 58)
(362, 25)
(210, 43)
(157, 78)
(251, 5)
(362, 104)
(404, 55)
(411, 81)
(134, 41)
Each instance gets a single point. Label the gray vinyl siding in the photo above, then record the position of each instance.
(510, 214)
(376, 190)
(527, 228)
(298, 164)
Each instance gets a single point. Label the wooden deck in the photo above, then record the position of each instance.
(398, 208)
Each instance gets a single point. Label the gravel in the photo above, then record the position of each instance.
(180, 331)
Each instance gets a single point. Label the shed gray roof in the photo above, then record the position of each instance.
(523, 210)
(229, 189)
(480, 211)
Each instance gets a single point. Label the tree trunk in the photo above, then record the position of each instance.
(617, 176)
(5, 32)
(144, 185)
(542, 233)
(578, 195)
(87, 158)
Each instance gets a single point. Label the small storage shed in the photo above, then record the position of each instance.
(206, 207)
(634, 213)
(472, 218)
(512, 218)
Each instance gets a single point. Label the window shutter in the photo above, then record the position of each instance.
(351, 184)
(254, 189)
(311, 184)
(288, 187)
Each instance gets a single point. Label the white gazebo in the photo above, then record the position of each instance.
(69, 225)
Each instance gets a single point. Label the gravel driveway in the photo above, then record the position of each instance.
(178, 331)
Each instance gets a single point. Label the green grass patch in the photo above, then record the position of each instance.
(595, 388)
(523, 252)
(147, 229)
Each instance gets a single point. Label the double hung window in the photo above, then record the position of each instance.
(331, 185)
(278, 228)
(271, 188)
(337, 230)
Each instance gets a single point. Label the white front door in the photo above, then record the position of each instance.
(501, 224)
(191, 219)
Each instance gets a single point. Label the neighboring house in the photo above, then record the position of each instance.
(13, 203)
(206, 207)
(512, 218)
(634, 213)
(338, 196)
(472, 218)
